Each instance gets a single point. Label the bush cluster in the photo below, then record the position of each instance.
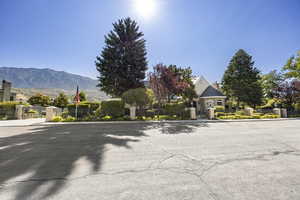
(255, 116)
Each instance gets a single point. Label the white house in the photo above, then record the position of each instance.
(208, 95)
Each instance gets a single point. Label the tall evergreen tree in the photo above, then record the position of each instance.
(241, 80)
(122, 64)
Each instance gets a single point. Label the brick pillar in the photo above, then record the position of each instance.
(211, 113)
(193, 113)
(19, 111)
(284, 113)
(51, 112)
(249, 111)
(277, 111)
(132, 112)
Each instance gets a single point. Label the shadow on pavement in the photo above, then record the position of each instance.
(46, 155)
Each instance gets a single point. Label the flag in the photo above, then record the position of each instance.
(77, 97)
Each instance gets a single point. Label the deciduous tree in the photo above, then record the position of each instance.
(61, 101)
(292, 67)
(39, 99)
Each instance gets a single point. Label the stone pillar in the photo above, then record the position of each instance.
(19, 111)
(132, 112)
(51, 112)
(211, 113)
(277, 112)
(249, 111)
(284, 113)
(193, 113)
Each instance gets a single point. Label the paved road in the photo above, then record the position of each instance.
(168, 161)
(25, 122)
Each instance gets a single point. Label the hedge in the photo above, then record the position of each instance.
(113, 108)
(83, 109)
(8, 109)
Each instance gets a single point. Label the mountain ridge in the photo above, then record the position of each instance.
(45, 78)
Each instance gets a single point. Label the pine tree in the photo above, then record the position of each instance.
(241, 80)
(122, 63)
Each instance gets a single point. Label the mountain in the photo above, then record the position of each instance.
(45, 78)
(29, 81)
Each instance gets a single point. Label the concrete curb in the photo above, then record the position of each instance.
(170, 121)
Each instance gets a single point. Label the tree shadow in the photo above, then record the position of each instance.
(179, 127)
(46, 155)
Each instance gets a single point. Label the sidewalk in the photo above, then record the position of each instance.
(25, 122)
(172, 121)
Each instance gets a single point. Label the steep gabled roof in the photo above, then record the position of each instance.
(200, 85)
(211, 92)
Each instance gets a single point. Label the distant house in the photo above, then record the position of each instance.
(208, 95)
(5, 92)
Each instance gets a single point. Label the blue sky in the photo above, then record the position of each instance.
(203, 34)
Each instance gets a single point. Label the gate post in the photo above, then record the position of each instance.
(132, 112)
(277, 112)
(284, 113)
(211, 113)
(19, 111)
(51, 112)
(193, 113)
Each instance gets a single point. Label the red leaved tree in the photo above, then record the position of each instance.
(165, 83)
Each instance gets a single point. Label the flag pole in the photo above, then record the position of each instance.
(77, 100)
(76, 108)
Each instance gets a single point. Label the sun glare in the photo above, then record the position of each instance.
(145, 8)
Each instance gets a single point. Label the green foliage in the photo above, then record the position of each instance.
(122, 63)
(189, 94)
(140, 97)
(57, 119)
(113, 108)
(32, 111)
(61, 101)
(255, 116)
(82, 96)
(39, 99)
(219, 109)
(69, 119)
(241, 80)
(271, 81)
(177, 110)
(174, 108)
(297, 107)
(8, 109)
(292, 67)
(83, 109)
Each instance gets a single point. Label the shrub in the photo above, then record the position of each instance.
(219, 109)
(256, 116)
(57, 119)
(297, 107)
(69, 119)
(113, 108)
(174, 108)
(150, 113)
(140, 97)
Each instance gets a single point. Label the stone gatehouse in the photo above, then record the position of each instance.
(5, 92)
